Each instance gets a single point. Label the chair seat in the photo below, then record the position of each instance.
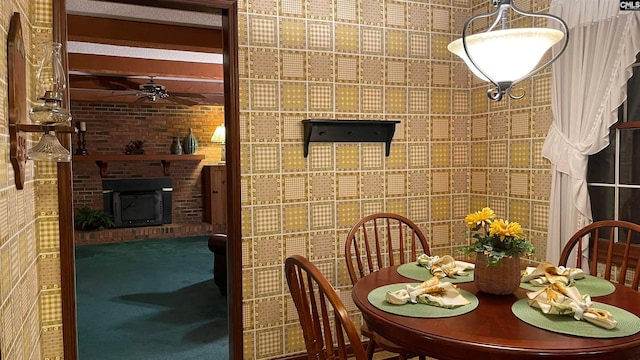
(384, 343)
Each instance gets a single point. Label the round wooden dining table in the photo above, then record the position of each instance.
(491, 331)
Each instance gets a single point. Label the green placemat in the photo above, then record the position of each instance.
(416, 272)
(591, 285)
(628, 323)
(376, 298)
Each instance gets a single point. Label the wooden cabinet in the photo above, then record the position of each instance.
(214, 186)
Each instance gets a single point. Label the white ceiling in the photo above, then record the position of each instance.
(114, 10)
(111, 10)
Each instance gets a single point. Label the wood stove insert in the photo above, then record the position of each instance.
(138, 202)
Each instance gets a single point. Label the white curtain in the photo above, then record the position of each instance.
(588, 85)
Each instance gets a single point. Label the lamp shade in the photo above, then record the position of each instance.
(219, 135)
(49, 149)
(506, 55)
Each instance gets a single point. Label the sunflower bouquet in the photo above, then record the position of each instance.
(497, 239)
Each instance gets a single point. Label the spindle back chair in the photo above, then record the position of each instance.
(381, 240)
(375, 242)
(614, 256)
(323, 316)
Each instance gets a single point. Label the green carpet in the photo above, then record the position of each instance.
(151, 299)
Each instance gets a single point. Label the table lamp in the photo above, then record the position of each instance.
(219, 137)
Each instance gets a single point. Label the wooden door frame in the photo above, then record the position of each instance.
(229, 12)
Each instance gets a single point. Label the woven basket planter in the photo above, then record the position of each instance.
(501, 279)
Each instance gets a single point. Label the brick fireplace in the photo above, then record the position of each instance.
(110, 127)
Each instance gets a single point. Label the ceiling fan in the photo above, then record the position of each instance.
(134, 91)
(153, 91)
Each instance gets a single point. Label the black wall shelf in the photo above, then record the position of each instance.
(319, 130)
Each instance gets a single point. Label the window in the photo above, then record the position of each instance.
(613, 174)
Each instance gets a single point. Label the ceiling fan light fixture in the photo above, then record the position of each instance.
(507, 56)
(153, 91)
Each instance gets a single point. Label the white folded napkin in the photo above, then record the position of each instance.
(546, 273)
(430, 292)
(557, 299)
(445, 266)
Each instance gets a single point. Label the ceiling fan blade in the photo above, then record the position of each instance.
(107, 82)
(138, 101)
(187, 95)
(181, 101)
(214, 99)
(119, 83)
(107, 92)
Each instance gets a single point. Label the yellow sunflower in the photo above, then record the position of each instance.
(504, 229)
(480, 218)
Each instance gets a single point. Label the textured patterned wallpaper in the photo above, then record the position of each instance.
(30, 306)
(453, 151)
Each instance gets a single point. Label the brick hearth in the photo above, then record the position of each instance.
(141, 233)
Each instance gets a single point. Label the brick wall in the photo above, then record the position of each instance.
(110, 127)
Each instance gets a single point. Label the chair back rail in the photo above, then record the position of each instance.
(378, 240)
(323, 316)
(614, 244)
(381, 239)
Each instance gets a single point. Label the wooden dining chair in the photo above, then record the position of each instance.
(324, 318)
(375, 242)
(616, 253)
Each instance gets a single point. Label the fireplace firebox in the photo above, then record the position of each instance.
(138, 202)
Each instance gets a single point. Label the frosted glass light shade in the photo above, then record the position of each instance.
(506, 55)
(49, 149)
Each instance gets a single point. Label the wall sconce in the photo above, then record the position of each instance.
(49, 148)
(50, 115)
(507, 56)
(219, 136)
(50, 112)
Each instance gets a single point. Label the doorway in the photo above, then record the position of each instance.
(228, 12)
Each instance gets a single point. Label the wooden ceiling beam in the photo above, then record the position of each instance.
(115, 65)
(141, 34)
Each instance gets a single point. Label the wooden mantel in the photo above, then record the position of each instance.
(102, 160)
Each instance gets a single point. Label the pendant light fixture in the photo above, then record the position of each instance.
(506, 56)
